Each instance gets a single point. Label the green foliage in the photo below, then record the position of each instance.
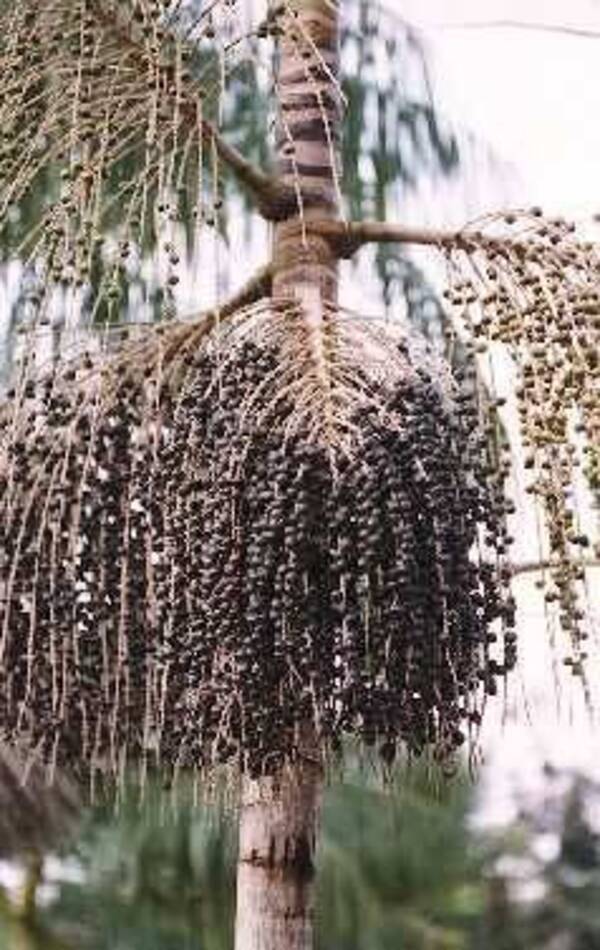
(399, 868)
(393, 136)
(390, 862)
(159, 878)
(398, 865)
(392, 131)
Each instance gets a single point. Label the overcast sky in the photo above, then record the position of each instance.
(534, 97)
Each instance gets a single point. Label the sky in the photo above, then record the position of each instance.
(533, 97)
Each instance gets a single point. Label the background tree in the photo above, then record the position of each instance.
(237, 541)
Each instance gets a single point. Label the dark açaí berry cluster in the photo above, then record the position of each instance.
(197, 581)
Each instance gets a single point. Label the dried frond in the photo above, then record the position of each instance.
(35, 811)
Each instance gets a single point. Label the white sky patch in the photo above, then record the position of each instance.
(533, 97)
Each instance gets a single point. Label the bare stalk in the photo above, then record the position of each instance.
(347, 237)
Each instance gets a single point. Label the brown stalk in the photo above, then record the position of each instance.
(347, 238)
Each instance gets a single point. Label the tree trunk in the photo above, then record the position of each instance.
(279, 816)
(308, 137)
(278, 827)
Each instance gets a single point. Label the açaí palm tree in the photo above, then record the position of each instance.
(236, 542)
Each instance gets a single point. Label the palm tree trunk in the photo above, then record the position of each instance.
(308, 137)
(279, 815)
(278, 826)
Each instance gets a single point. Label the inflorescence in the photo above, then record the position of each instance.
(527, 284)
(190, 575)
(107, 115)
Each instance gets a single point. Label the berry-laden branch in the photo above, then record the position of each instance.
(270, 196)
(528, 282)
(537, 567)
(347, 237)
(214, 548)
(199, 566)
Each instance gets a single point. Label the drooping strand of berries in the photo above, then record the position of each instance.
(534, 295)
